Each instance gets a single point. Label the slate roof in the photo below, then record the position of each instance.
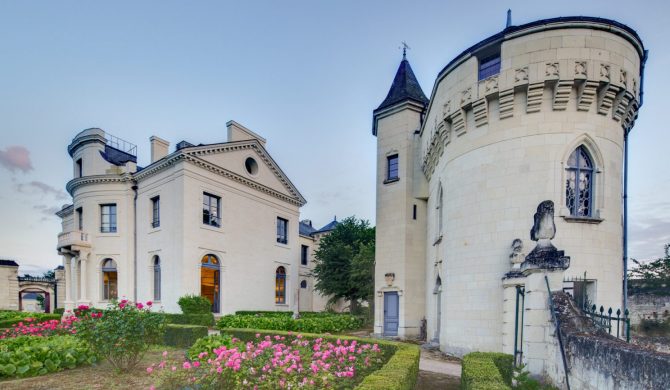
(8, 263)
(405, 87)
(116, 156)
(328, 227)
(305, 229)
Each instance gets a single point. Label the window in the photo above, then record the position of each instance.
(282, 230)
(579, 183)
(211, 205)
(303, 284)
(392, 167)
(109, 280)
(414, 212)
(157, 278)
(303, 254)
(155, 211)
(108, 218)
(80, 218)
(79, 166)
(251, 166)
(489, 66)
(280, 285)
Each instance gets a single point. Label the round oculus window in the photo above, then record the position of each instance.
(251, 166)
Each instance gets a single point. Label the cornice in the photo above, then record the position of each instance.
(96, 179)
(65, 211)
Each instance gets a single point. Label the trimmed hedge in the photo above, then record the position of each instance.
(190, 319)
(487, 370)
(194, 304)
(321, 323)
(399, 373)
(183, 336)
(59, 310)
(8, 320)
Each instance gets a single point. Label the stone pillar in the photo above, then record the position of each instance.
(73, 273)
(510, 318)
(69, 304)
(83, 296)
(61, 290)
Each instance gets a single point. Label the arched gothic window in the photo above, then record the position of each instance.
(303, 284)
(109, 280)
(280, 285)
(579, 183)
(157, 278)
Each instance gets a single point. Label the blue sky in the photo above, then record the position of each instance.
(304, 74)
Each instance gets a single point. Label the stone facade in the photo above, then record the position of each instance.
(479, 156)
(15, 290)
(165, 241)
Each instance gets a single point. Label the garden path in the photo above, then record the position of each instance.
(438, 371)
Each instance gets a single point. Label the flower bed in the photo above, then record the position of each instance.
(31, 327)
(273, 360)
(311, 323)
(9, 318)
(29, 356)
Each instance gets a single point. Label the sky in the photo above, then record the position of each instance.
(305, 75)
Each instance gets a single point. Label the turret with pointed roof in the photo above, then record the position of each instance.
(405, 89)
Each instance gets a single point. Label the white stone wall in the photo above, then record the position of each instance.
(499, 147)
(9, 287)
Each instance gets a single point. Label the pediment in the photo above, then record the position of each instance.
(230, 159)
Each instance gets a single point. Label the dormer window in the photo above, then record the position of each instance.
(489, 66)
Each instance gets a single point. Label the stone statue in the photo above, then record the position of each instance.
(517, 257)
(545, 254)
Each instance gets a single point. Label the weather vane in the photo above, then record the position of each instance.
(404, 48)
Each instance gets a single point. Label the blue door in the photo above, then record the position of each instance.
(391, 313)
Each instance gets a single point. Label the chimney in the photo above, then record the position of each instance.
(159, 148)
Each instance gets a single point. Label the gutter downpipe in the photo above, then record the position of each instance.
(625, 189)
(134, 188)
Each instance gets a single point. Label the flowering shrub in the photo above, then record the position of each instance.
(9, 318)
(209, 344)
(318, 323)
(273, 363)
(123, 333)
(31, 327)
(28, 356)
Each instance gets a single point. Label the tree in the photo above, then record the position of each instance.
(651, 277)
(50, 274)
(344, 262)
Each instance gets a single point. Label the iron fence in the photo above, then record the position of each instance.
(618, 326)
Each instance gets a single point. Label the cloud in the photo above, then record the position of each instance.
(16, 158)
(648, 235)
(43, 188)
(46, 210)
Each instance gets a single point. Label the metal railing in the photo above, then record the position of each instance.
(605, 319)
(121, 144)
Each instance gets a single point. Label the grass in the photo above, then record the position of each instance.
(99, 376)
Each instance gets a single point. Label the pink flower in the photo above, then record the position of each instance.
(149, 303)
(139, 305)
(187, 365)
(164, 353)
(149, 370)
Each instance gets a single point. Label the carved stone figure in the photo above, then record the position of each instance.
(517, 257)
(545, 254)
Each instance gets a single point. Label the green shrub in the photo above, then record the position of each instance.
(486, 370)
(59, 311)
(209, 344)
(318, 323)
(28, 356)
(194, 304)
(654, 326)
(183, 336)
(123, 333)
(400, 371)
(7, 319)
(190, 319)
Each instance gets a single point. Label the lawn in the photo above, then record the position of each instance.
(98, 376)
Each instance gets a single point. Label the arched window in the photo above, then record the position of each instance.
(210, 279)
(303, 284)
(109, 280)
(157, 278)
(280, 285)
(579, 183)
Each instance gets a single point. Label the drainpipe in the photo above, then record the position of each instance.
(625, 189)
(134, 188)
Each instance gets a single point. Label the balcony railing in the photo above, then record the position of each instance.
(73, 238)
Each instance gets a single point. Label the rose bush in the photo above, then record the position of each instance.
(272, 363)
(31, 327)
(123, 333)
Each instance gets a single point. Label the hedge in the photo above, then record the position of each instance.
(399, 373)
(183, 336)
(486, 370)
(28, 355)
(194, 304)
(311, 324)
(190, 319)
(7, 321)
